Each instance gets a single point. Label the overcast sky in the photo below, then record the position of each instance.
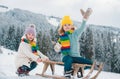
(105, 12)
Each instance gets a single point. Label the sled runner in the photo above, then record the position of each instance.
(51, 76)
(91, 70)
(98, 72)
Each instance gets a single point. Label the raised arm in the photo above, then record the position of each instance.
(85, 15)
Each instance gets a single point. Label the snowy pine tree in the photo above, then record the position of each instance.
(18, 35)
(10, 39)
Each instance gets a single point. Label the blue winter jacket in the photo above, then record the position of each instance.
(74, 40)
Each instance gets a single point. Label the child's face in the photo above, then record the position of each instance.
(30, 36)
(67, 27)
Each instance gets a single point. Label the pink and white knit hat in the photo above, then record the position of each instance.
(31, 29)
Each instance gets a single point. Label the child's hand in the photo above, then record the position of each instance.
(45, 59)
(86, 14)
(57, 47)
(39, 60)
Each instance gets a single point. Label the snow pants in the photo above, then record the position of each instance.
(68, 60)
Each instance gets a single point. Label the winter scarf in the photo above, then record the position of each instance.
(65, 42)
(33, 45)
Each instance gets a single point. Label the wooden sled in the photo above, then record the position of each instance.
(52, 64)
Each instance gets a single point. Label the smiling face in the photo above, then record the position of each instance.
(67, 27)
(30, 36)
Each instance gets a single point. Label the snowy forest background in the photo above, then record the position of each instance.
(101, 43)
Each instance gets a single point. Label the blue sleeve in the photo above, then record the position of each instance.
(80, 30)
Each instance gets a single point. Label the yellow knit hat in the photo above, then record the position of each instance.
(66, 20)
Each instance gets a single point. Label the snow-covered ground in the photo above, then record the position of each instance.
(7, 69)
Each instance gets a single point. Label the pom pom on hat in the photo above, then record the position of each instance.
(66, 20)
(31, 29)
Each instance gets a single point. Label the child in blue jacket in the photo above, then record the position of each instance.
(69, 42)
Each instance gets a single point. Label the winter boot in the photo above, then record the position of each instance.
(23, 71)
(79, 73)
(68, 74)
